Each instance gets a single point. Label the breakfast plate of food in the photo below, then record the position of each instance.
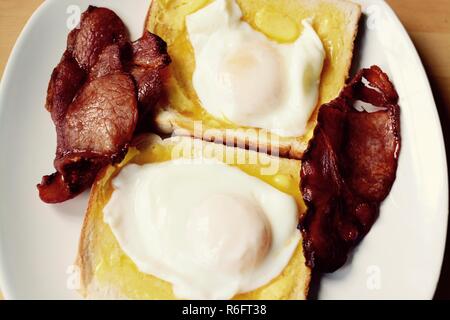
(219, 149)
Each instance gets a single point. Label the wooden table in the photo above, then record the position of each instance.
(428, 23)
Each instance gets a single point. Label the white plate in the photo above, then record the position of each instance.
(400, 258)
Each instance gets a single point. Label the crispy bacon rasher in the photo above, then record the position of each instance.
(96, 99)
(349, 168)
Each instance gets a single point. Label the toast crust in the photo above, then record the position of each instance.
(91, 288)
(83, 260)
(169, 121)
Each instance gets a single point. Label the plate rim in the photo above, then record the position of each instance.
(4, 289)
(443, 154)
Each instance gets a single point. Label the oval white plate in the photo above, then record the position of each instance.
(400, 258)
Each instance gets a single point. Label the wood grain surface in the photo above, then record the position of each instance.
(427, 23)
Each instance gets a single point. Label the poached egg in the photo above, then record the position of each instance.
(209, 229)
(244, 77)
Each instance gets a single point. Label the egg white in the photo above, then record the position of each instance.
(209, 229)
(242, 76)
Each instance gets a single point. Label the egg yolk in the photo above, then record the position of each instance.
(250, 74)
(219, 249)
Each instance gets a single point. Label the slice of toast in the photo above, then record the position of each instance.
(336, 23)
(106, 271)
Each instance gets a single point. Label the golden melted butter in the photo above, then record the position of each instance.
(112, 266)
(279, 20)
(275, 25)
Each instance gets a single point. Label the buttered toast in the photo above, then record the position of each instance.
(182, 113)
(108, 273)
